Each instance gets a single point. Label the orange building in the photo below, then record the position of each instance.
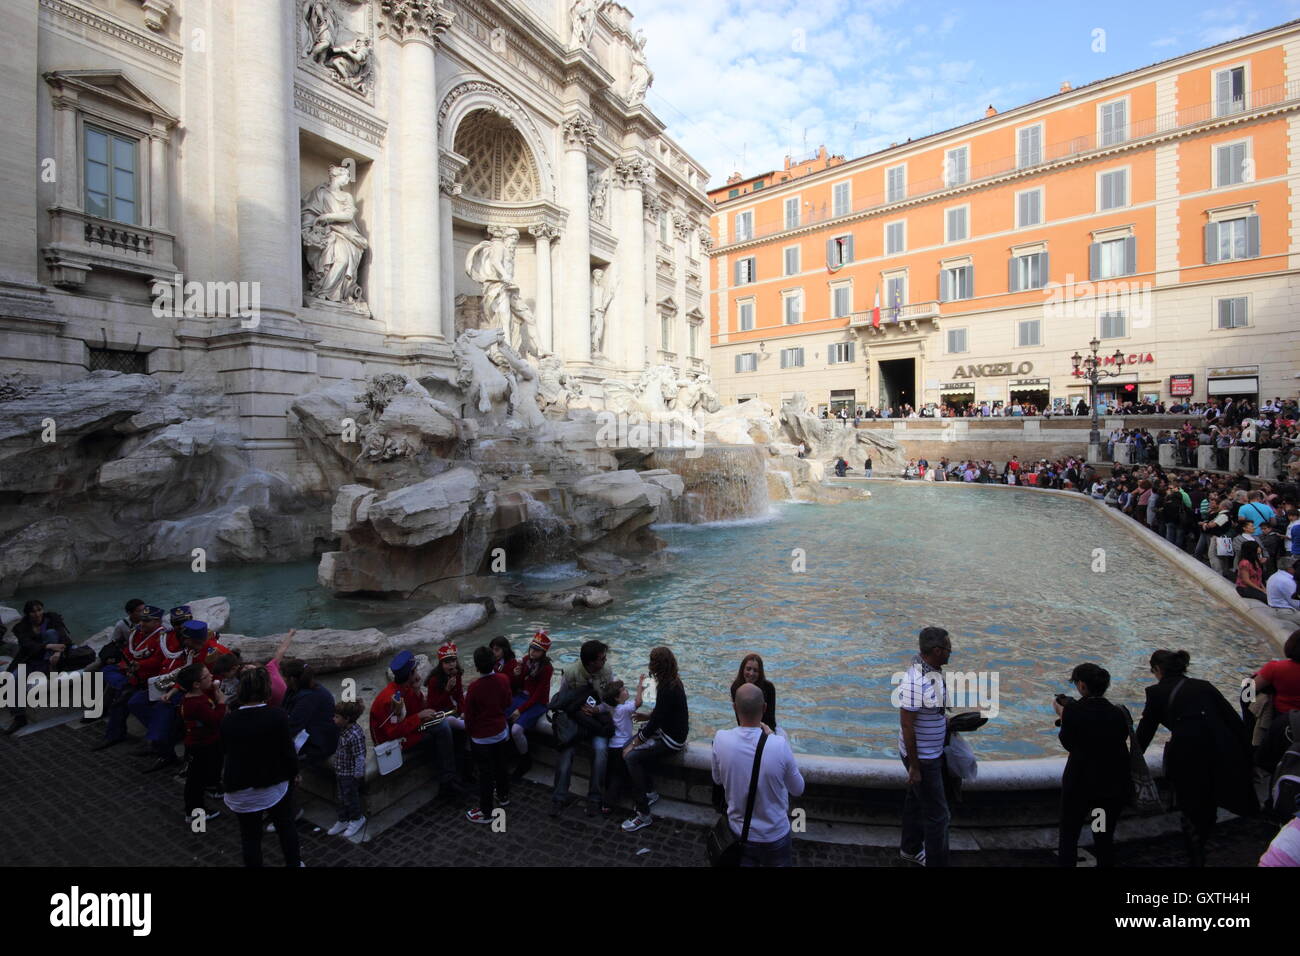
(1158, 211)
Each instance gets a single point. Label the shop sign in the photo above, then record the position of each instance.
(995, 370)
(1181, 386)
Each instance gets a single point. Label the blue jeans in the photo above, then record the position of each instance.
(564, 769)
(159, 716)
(925, 815)
(777, 853)
(437, 743)
(1174, 534)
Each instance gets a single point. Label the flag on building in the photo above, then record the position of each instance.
(875, 311)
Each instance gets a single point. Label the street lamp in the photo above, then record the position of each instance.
(1089, 367)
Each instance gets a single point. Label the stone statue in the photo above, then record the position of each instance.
(484, 384)
(344, 53)
(601, 299)
(352, 65)
(696, 395)
(319, 18)
(598, 185)
(492, 264)
(556, 390)
(582, 23)
(641, 77)
(332, 241)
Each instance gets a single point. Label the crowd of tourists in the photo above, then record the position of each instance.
(250, 729)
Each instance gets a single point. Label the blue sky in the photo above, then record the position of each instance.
(741, 83)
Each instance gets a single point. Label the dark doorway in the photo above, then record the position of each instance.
(898, 383)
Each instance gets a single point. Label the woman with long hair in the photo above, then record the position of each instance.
(1250, 573)
(1207, 758)
(663, 733)
(751, 672)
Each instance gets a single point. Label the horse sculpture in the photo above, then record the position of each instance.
(484, 384)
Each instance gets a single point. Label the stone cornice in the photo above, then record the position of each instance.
(97, 22)
(328, 110)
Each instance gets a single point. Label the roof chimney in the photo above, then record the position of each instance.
(990, 111)
(1065, 86)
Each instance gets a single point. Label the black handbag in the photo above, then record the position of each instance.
(723, 846)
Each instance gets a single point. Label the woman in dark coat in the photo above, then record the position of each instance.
(1207, 758)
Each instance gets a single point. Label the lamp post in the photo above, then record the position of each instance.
(1089, 367)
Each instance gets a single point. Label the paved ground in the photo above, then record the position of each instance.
(53, 791)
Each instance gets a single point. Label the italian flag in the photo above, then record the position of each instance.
(875, 311)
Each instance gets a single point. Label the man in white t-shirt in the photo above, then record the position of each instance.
(770, 836)
(923, 730)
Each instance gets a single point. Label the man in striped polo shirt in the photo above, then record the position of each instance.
(923, 729)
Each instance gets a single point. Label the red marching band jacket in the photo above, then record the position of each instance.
(534, 679)
(453, 698)
(142, 650)
(388, 721)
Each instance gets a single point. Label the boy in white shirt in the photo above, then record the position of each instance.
(618, 703)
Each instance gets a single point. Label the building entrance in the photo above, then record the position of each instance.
(898, 383)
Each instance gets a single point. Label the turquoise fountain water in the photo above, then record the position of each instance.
(1008, 574)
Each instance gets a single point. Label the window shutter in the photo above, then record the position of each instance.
(1224, 165)
(1046, 274)
(830, 252)
(1011, 275)
(1222, 91)
(848, 249)
(737, 363)
(1252, 236)
(1130, 255)
(1225, 313)
(736, 269)
(968, 275)
(945, 285)
(1211, 242)
(1094, 260)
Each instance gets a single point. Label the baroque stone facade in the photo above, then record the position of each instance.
(455, 120)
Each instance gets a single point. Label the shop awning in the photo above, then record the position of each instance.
(1233, 386)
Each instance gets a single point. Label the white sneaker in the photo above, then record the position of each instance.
(338, 828)
(638, 822)
(651, 798)
(355, 827)
(918, 858)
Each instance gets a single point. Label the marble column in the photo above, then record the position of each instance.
(447, 260)
(420, 313)
(630, 175)
(158, 178)
(266, 156)
(543, 233)
(573, 338)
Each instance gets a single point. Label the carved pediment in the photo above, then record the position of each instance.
(111, 85)
(668, 305)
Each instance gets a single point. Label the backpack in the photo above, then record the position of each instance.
(1284, 787)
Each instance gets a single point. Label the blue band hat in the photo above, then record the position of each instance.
(152, 613)
(401, 666)
(194, 630)
(181, 614)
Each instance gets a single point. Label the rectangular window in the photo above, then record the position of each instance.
(1112, 258)
(956, 341)
(663, 228)
(895, 295)
(896, 184)
(760, 184)
(955, 224)
(1029, 146)
(956, 283)
(745, 316)
(957, 166)
(839, 353)
(841, 301)
(694, 340)
(733, 194)
(1029, 208)
(1113, 326)
(746, 271)
(792, 358)
(1230, 164)
(1114, 123)
(1229, 239)
(1028, 272)
(1112, 189)
(840, 199)
(895, 238)
(793, 306)
(839, 251)
(1229, 91)
(110, 176)
(1029, 333)
(744, 225)
(792, 260)
(1232, 312)
(747, 362)
(665, 333)
(792, 212)
(119, 360)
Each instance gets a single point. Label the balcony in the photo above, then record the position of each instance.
(81, 242)
(913, 318)
(1078, 147)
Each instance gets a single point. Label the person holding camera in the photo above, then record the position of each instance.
(1096, 784)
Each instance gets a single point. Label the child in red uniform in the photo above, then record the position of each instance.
(202, 709)
(445, 687)
(532, 691)
(486, 702)
(503, 657)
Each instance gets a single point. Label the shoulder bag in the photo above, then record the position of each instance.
(1145, 800)
(723, 846)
